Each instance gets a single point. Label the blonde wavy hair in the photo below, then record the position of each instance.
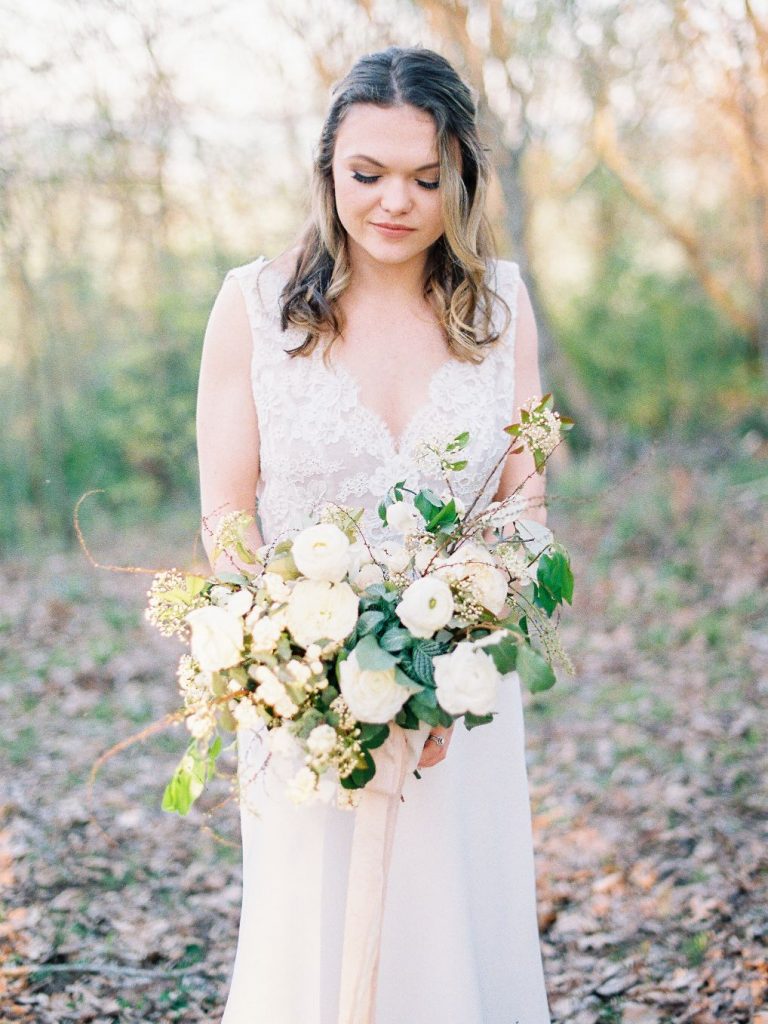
(457, 263)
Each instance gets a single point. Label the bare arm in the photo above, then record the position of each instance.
(527, 385)
(227, 428)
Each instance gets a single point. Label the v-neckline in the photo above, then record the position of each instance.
(396, 444)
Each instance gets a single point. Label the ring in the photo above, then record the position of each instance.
(439, 740)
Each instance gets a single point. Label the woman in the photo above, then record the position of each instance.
(323, 372)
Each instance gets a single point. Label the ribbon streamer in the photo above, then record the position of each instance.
(372, 840)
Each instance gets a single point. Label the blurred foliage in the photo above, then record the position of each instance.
(630, 188)
(656, 357)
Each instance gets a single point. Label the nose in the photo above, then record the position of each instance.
(395, 198)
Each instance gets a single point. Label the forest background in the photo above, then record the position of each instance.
(147, 146)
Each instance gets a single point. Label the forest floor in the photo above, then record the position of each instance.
(647, 770)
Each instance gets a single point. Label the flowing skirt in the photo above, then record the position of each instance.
(460, 941)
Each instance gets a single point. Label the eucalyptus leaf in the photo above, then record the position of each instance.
(371, 656)
(472, 721)
(535, 671)
(504, 654)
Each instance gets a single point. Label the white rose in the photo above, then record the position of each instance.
(534, 535)
(302, 786)
(367, 575)
(474, 564)
(467, 680)
(372, 695)
(318, 610)
(217, 638)
(322, 552)
(403, 518)
(321, 740)
(426, 606)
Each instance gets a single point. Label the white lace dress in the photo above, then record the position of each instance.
(460, 942)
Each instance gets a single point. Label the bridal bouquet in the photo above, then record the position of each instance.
(330, 640)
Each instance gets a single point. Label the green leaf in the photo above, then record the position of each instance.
(504, 654)
(534, 670)
(395, 639)
(382, 510)
(472, 721)
(428, 503)
(192, 772)
(359, 776)
(456, 466)
(446, 514)
(372, 735)
(555, 575)
(422, 666)
(424, 704)
(368, 621)
(458, 442)
(371, 656)
(406, 718)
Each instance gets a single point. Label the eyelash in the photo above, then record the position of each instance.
(369, 179)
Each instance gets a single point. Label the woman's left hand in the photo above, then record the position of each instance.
(433, 753)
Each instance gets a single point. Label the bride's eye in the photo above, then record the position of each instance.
(369, 179)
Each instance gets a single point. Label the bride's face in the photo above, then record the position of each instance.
(386, 178)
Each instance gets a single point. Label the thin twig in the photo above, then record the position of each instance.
(23, 970)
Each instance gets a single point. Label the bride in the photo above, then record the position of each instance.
(388, 324)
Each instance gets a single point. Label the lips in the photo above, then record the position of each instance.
(393, 230)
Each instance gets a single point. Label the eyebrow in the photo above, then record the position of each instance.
(377, 163)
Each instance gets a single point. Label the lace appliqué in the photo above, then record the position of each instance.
(319, 442)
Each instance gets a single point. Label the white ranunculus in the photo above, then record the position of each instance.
(217, 637)
(321, 740)
(372, 695)
(318, 610)
(426, 606)
(322, 552)
(535, 536)
(467, 680)
(403, 518)
(473, 564)
(367, 575)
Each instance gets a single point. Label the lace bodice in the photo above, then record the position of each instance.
(319, 442)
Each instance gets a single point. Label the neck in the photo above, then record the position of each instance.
(393, 282)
